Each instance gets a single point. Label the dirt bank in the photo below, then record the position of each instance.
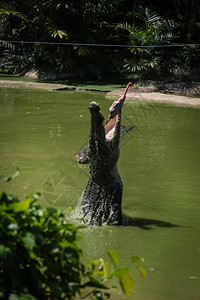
(34, 85)
(176, 93)
(43, 86)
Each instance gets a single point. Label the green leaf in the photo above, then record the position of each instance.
(119, 272)
(4, 12)
(13, 226)
(36, 195)
(95, 283)
(3, 208)
(126, 283)
(105, 267)
(114, 257)
(4, 251)
(135, 259)
(93, 263)
(20, 206)
(142, 271)
(99, 273)
(29, 240)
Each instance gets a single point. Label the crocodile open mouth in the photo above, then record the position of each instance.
(115, 111)
(110, 127)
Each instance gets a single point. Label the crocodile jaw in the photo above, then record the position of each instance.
(110, 127)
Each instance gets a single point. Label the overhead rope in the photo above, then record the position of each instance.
(98, 45)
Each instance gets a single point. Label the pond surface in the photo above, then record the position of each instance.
(41, 132)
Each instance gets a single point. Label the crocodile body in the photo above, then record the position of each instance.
(101, 199)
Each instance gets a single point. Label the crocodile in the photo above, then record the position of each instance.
(83, 157)
(101, 200)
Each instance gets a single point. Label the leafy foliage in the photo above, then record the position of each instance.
(97, 21)
(153, 30)
(40, 258)
(77, 21)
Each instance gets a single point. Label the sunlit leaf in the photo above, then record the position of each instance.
(119, 272)
(114, 257)
(135, 259)
(4, 12)
(142, 271)
(29, 240)
(58, 33)
(82, 51)
(20, 206)
(105, 267)
(93, 262)
(36, 195)
(13, 226)
(99, 273)
(126, 283)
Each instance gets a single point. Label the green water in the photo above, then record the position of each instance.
(41, 132)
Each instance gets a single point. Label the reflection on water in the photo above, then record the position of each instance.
(41, 132)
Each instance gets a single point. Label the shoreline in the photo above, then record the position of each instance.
(45, 86)
(154, 97)
(172, 96)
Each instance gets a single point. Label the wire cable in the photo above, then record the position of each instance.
(98, 45)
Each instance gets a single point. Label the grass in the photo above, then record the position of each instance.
(107, 84)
